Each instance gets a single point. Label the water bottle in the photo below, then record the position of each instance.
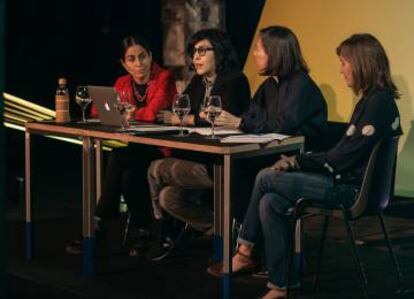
(62, 102)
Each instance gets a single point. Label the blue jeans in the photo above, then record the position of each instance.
(274, 193)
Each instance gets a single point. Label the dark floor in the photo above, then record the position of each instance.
(55, 274)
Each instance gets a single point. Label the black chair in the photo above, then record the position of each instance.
(375, 194)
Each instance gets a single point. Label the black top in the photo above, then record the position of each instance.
(234, 91)
(375, 118)
(293, 106)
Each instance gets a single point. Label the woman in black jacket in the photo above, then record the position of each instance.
(176, 183)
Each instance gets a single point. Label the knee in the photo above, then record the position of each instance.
(170, 199)
(263, 176)
(154, 172)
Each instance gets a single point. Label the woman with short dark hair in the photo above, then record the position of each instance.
(330, 178)
(288, 101)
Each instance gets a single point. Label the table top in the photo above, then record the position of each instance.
(193, 142)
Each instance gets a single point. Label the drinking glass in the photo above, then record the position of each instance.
(83, 99)
(123, 105)
(212, 109)
(181, 107)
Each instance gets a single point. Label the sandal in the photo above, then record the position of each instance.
(248, 266)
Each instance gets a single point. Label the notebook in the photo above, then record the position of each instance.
(105, 98)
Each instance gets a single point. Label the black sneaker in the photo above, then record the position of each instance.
(159, 250)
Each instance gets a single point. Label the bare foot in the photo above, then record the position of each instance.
(275, 294)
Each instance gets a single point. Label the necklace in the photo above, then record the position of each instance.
(138, 95)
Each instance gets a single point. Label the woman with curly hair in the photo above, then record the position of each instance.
(176, 183)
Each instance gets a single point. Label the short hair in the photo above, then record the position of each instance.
(283, 49)
(226, 59)
(369, 63)
(133, 40)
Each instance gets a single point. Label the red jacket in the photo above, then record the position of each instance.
(160, 93)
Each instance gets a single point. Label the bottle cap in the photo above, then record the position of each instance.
(62, 81)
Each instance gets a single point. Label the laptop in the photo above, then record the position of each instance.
(105, 99)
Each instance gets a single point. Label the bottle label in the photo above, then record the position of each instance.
(62, 108)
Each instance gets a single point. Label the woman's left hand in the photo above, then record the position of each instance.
(228, 120)
(285, 163)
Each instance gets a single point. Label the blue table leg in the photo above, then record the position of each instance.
(227, 281)
(218, 248)
(29, 240)
(89, 259)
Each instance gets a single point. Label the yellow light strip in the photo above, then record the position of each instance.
(21, 113)
(11, 104)
(16, 118)
(28, 104)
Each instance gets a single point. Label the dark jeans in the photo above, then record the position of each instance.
(275, 192)
(126, 174)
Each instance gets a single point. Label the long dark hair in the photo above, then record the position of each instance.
(369, 62)
(226, 59)
(133, 40)
(282, 47)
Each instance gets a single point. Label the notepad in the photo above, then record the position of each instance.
(254, 138)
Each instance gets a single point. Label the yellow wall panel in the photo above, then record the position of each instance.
(321, 25)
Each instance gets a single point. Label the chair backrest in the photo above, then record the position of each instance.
(378, 184)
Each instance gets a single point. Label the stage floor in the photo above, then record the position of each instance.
(56, 274)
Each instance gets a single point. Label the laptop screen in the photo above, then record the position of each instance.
(105, 99)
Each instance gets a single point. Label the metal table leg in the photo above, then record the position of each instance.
(227, 227)
(28, 214)
(218, 215)
(88, 207)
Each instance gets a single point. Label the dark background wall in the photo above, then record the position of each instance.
(79, 39)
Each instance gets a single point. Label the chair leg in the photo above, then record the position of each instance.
(126, 229)
(397, 268)
(290, 249)
(358, 264)
(320, 254)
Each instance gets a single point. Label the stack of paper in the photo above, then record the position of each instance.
(254, 138)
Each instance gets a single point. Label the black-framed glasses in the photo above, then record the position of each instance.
(201, 51)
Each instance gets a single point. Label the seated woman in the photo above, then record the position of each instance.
(287, 102)
(175, 183)
(331, 177)
(149, 88)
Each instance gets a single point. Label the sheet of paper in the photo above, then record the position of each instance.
(254, 138)
(206, 131)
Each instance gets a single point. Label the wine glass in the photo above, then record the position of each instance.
(212, 109)
(181, 107)
(123, 105)
(83, 99)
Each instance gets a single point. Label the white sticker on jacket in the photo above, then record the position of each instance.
(396, 123)
(368, 130)
(350, 131)
(329, 167)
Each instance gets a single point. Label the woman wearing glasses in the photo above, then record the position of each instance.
(326, 178)
(176, 184)
(149, 88)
